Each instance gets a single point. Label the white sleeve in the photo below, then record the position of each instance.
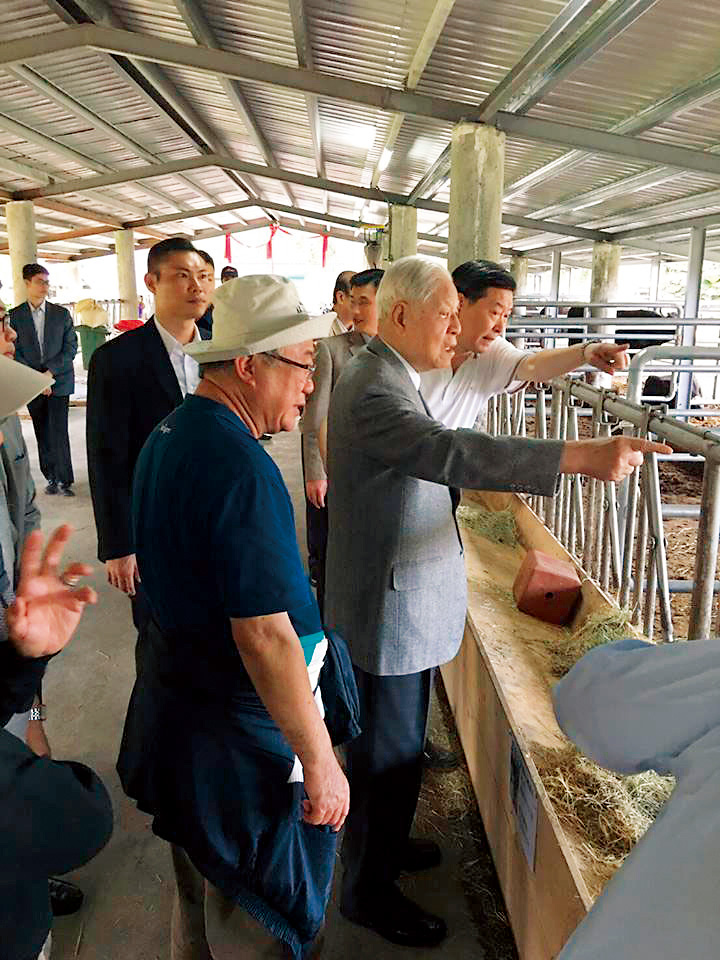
(503, 360)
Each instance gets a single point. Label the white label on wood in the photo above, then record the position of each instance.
(524, 798)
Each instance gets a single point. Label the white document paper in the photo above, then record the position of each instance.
(19, 384)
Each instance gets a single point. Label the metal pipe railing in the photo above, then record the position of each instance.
(640, 361)
(630, 560)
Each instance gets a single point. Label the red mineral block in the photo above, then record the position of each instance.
(546, 588)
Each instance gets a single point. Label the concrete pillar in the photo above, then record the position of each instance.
(605, 269)
(385, 250)
(20, 217)
(519, 270)
(603, 289)
(477, 159)
(655, 275)
(127, 287)
(402, 231)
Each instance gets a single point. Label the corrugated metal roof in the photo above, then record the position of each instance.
(673, 45)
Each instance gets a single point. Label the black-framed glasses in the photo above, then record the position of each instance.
(4, 323)
(309, 368)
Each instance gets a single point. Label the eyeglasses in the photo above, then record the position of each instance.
(309, 368)
(4, 323)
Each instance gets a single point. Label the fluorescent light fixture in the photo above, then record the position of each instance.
(385, 158)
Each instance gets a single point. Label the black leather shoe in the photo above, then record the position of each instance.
(437, 758)
(399, 920)
(51, 488)
(65, 898)
(420, 855)
(66, 490)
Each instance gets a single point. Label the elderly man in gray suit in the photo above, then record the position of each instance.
(396, 587)
(332, 355)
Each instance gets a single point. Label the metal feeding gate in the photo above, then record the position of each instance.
(617, 534)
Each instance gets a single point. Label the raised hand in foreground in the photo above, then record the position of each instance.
(48, 606)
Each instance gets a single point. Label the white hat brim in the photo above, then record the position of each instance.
(19, 385)
(286, 333)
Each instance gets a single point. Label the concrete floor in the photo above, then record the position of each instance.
(129, 886)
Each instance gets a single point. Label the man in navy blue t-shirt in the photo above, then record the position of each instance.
(224, 741)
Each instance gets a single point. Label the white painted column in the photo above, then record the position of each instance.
(20, 217)
(603, 289)
(519, 270)
(477, 159)
(127, 286)
(402, 231)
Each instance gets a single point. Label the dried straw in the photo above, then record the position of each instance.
(607, 812)
(499, 526)
(604, 626)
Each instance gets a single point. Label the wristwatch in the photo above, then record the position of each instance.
(38, 712)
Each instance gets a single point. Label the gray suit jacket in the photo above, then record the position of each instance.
(395, 582)
(332, 355)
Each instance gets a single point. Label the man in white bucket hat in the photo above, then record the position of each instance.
(224, 741)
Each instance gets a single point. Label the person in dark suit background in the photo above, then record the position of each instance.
(46, 341)
(134, 382)
(205, 322)
(332, 355)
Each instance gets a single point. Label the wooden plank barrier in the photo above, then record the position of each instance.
(501, 699)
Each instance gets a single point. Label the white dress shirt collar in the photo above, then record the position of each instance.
(412, 372)
(186, 369)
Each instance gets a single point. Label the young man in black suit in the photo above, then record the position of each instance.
(46, 341)
(134, 382)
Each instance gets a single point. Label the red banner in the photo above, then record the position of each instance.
(228, 249)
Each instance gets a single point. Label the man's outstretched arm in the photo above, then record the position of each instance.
(546, 364)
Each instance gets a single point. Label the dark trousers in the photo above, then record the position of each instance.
(385, 771)
(317, 537)
(50, 421)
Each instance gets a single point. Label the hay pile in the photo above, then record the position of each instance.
(610, 812)
(499, 526)
(606, 626)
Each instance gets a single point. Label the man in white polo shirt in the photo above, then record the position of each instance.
(485, 363)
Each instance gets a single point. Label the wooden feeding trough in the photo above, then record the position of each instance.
(499, 687)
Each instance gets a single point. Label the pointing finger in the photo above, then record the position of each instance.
(649, 446)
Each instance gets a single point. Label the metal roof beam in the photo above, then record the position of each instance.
(696, 204)
(199, 26)
(431, 34)
(55, 94)
(695, 95)
(673, 226)
(52, 92)
(190, 214)
(240, 66)
(605, 28)
(504, 95)
(31, 135)
(150, 82)
(303, 49)
(573, 15)
(603, 142)
(274, 173)
(10, 165)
